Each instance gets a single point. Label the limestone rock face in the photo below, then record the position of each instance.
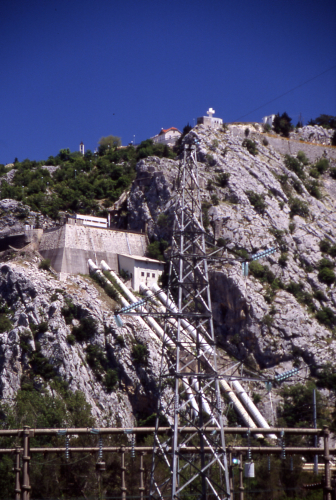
(314, 134)
(36, 303)
(255, 208)
(14, 215)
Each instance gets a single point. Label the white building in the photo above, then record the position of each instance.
(140, 269)
(88, 220)
(167, 136)
(81, 148)
(268, 120)
(210, 120)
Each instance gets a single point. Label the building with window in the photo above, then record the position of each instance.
(167, 136)
(140, 269)
(82, 148)
(210, 120)
(268, 120)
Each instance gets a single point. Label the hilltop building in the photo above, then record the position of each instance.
(210, 120)
(167, 136)
(268, 120)
(81, 148)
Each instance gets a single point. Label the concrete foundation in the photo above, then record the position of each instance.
(69, 247)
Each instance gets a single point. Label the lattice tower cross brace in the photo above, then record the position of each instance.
(197, 400)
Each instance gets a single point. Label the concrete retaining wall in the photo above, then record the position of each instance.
(70, 247)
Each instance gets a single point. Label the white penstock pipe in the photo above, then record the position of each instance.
(95, 270)
(258, 418)
(152, 323)
(245, 398)
(187, 326)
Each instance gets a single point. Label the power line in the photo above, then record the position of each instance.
(288, 91)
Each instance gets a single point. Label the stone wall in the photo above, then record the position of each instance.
(70, 246)
(286, 146)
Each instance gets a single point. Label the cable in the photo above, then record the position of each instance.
(285, 93)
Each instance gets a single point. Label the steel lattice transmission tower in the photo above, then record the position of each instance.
(196, 400)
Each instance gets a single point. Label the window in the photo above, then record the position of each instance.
(142, 273)
(153, 275)
(148, 275)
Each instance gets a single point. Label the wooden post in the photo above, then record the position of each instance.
(327, 483)
(123, 471)
(142, 470)
(17, 471)
(241, 477)
(25, 459)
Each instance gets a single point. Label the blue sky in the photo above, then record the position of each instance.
(78, 70)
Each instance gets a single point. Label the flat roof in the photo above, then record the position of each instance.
(143, 259)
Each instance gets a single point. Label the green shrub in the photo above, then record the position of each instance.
(268, 320)
(324, 246)
(313, 189)
(110, 379)
(326, 275)
(326, 317)
(221, 242)
(263, 273)
(314, 173)
(257, 201)
(210, 185)
(96, 359)
(41, 365)
(70, 311)
(120, 340)
(215, 200)
(267, 127)
(325, 263)
(298, 207)
(222, 179)
(294, 165)
(163, 221)
(140, 353)
(71, 339)
(282, 261)
(265, 141)
(333, 172)
(250, 146)
(5, 323)
(321, 165)
(291, 227)
(297, 186)
(297, 290)
(155, 250)
(319, 295)
(302, 158)
(214, 145)
(86, 329)
(54, 297)
(42, 327)
(45, 264)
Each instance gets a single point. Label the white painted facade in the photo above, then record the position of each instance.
(81, 148)
(268, 120)
(141, 269)
(89, 220)
(210, 120)
(167, 136)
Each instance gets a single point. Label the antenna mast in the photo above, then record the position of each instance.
(193, 396)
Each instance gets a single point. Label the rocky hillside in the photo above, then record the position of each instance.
(254, 198)
(51, 331)
(282, 315)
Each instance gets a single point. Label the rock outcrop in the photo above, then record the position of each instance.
(254, 202)
(40, 345)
